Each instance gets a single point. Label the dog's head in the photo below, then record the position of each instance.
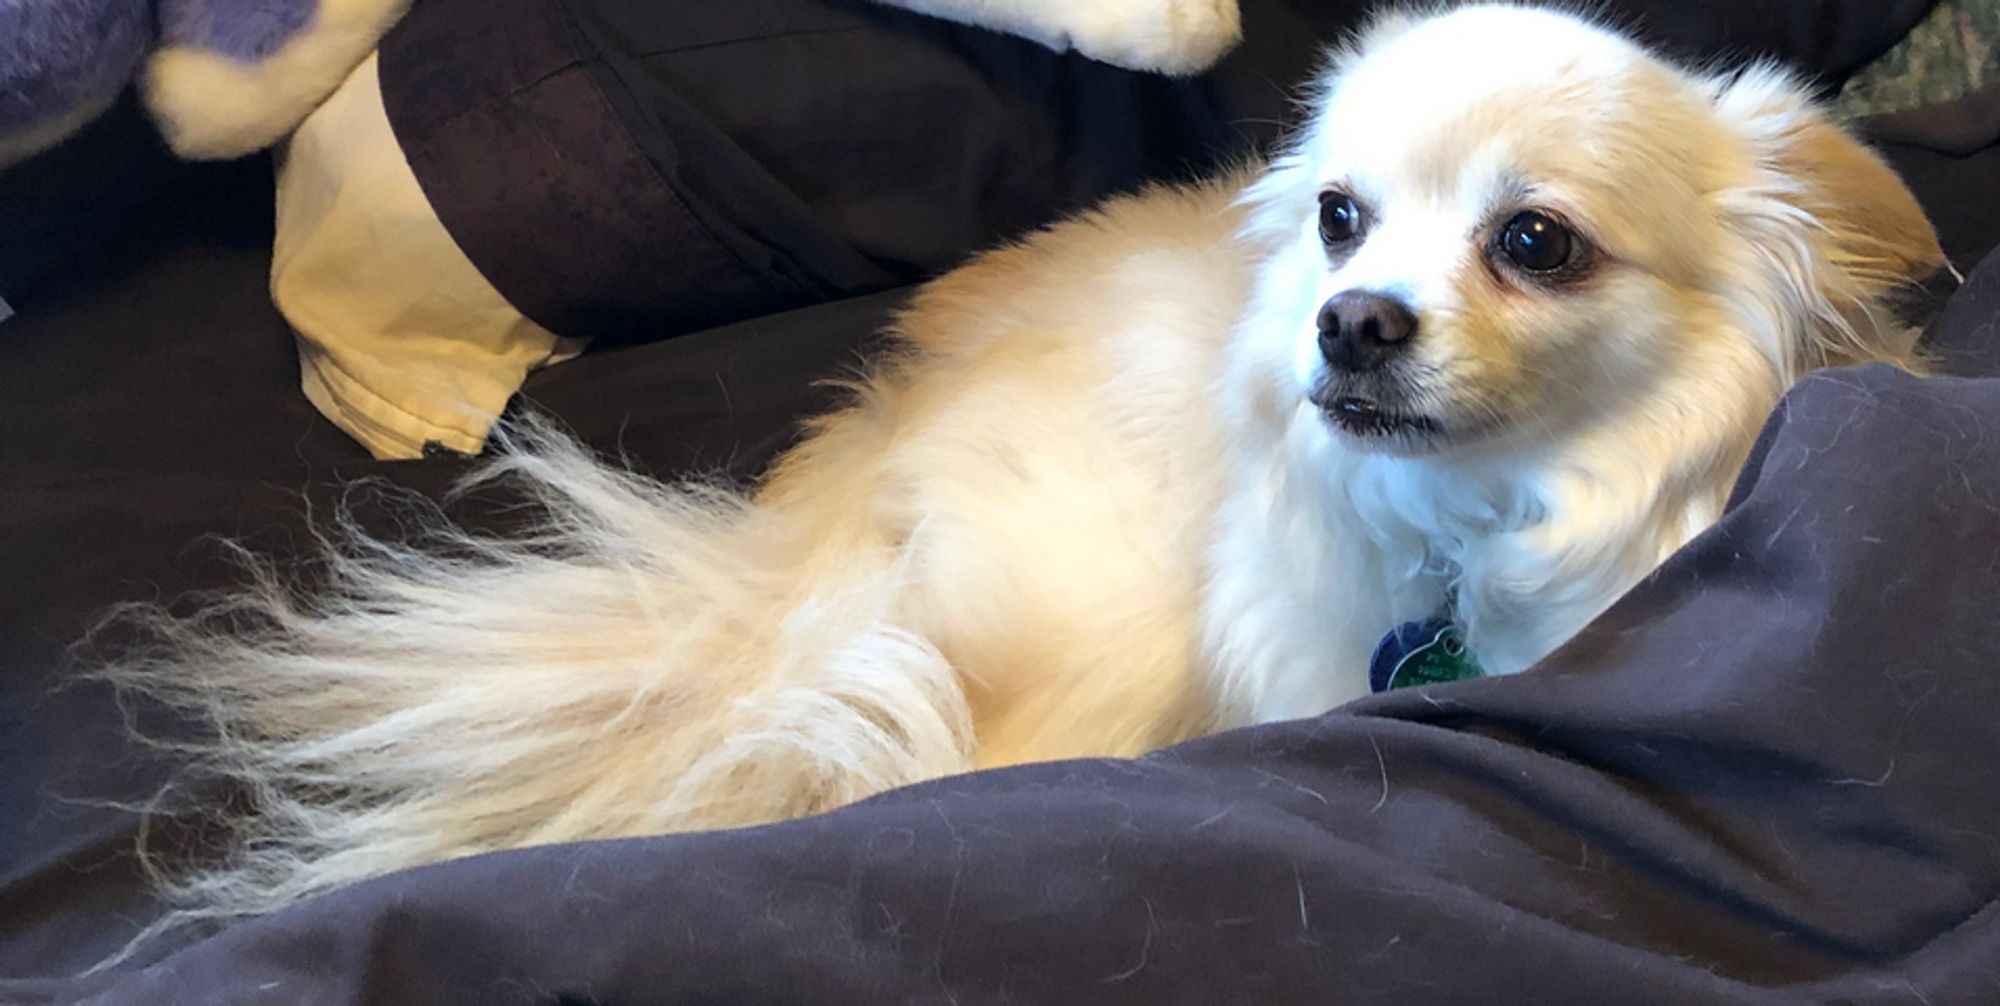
(1502, 221)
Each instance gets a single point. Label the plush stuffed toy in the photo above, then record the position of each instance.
(1164, 36)
(227, 77)
(222, 77)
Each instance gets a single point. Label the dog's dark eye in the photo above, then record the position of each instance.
(1339, 218)
(1537, 242)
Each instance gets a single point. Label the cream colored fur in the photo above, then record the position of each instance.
(1165, 36)
(209, 105)
(1088, 508)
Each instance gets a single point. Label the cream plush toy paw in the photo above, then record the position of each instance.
(221, 77)
(1175, 37)
(234, 76)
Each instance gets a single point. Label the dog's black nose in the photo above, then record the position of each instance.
(1361, 330)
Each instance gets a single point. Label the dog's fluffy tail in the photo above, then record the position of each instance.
(645, 658)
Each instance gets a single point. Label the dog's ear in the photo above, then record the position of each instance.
(1871, 218)
(1830, 213)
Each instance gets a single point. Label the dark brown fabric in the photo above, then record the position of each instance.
(1961, 127)
(1826, 40)
(1961, 193)
(636, 170)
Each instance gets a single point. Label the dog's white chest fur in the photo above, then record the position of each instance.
(1321, 550)
(1326, 550)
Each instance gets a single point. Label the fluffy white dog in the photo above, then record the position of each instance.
(1490, 339)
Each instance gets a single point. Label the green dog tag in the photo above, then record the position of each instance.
(1422, 653)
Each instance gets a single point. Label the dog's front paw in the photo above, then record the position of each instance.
(1176, 37)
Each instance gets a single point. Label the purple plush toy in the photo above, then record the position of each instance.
(222, 77)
